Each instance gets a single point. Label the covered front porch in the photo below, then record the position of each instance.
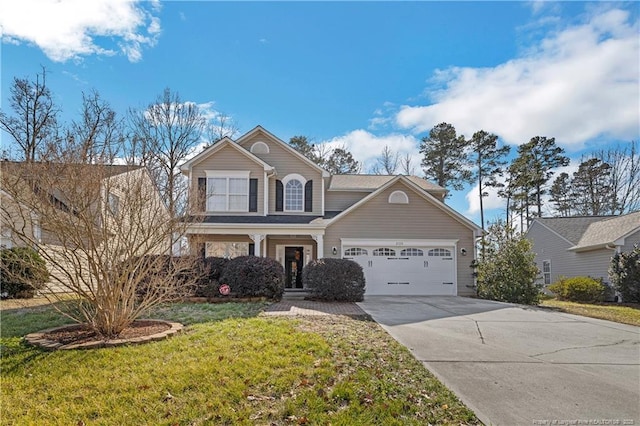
(292, 248)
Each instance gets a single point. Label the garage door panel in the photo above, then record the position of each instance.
(406, 270)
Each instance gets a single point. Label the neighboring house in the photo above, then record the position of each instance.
(24, 189)
(258, 196)
(581, 246)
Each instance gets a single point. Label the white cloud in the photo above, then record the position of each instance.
(578, 84)
(68, 29)
(491, 201)
(366, 147)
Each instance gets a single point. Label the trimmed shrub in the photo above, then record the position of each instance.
(624, 271)
(254, 276)
(209, 284)
(22, 272)
(578, 289)
(330, 279)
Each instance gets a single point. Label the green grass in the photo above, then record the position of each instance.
(625, 314)
(228, 367)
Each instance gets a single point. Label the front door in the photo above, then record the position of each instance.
(293, 263)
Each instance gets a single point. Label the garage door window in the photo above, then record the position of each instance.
(383, 251)
(439, 252)
(411, 252)
(355, 251)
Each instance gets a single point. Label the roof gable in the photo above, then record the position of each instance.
(608, 231)
(222, 143)
(418, 190)
(261, 130)
(569, 228)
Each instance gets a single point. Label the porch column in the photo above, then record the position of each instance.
(320, 245)
(257, 243)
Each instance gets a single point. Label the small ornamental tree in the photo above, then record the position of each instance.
(106, 237)
(22, 272)
(340, 280)
(624, 271)
(508, 272)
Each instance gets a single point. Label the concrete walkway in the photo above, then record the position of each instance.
(515, 365)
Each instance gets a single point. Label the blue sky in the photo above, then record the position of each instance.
(359, 74)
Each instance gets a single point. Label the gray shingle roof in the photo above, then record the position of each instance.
(591, 231)
(609, 230)
(373, 182)
(571, 228)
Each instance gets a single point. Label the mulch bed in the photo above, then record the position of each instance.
(82, 333)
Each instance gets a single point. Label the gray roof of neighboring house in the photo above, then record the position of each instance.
(571, 228)
(609, 230)
(373, 182)
(591, 231)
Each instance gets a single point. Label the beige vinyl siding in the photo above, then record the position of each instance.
(230, 159)
(342, 200)
(630, 241)
(420, 219)
(547, 245)
(274, 241)
(285, 162)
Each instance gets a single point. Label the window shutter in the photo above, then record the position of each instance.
(253, 195)
(252, 249)
(202, 194)
(308, 196)
(279, 196)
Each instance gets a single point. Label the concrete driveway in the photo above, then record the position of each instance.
(516, 365)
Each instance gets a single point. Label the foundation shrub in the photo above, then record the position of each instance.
(578, 289)
(254, 276)
(334, 280)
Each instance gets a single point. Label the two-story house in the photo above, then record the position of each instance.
(258, 196)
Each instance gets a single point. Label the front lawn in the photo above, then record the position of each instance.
(625, 314)
(229, 366)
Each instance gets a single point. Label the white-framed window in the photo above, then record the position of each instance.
(293, 193)
(411, 252)
(355, 251)
(259, 148)
(228, 250)
(439, 252)
(546, 271)
(227, 191)
(384, 251)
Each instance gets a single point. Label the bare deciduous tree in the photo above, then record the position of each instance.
(104, 233)
(624, 176)
(33, 125)
(220, 127)
(387, 162)
(166, 133)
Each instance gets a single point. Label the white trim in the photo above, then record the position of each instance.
(227, 173)
(322, 199)
(186, 167)
(543, 272)
(265, 195)
(248, 228)
(392, 242)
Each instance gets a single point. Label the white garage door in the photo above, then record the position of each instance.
(405, 269)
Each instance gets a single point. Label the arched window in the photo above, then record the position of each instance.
(293, 193)
(411, 252)
(383, 251)
(355, 251)
(259, 148)
(439, 252)
(398, 197)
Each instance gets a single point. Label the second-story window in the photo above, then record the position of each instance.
(228, 193)
(294, 195)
